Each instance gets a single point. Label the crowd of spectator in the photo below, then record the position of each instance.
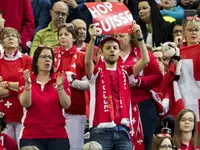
(136, 91)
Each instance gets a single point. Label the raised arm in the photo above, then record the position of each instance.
(25, 96)
(144, 60)
(89, 66)
(64, 96)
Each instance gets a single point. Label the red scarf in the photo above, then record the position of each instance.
(105, 101)
(59, 52)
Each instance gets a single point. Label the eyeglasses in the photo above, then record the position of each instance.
(44, 57)
(187, 119)
(58, 13)
(10, 36)
(166, 146)
(2, 114)
(190, 18)
(192, 30)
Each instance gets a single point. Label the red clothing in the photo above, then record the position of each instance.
(44, 118)
(100, 106)
(19, 15)
(7, 142)
(149, 79)
(189, 147)
(77, 96)
(11, 70)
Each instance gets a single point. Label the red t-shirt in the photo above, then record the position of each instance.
(77, 96)
(11, 70)
(8, 142)
(44, 119)
(189, 147)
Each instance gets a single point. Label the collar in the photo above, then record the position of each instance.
(50, 28)
(17, 54)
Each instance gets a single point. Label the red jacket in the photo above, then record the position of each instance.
(148, 79)
(19, 15)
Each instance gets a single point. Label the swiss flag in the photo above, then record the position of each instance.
(189, 83)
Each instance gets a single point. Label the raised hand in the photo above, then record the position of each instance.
(71, 3)
(137, 30)
(60, 79)
(27, 76)
(92, 32)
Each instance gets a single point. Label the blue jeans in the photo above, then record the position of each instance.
(46, 144)
(116, 138)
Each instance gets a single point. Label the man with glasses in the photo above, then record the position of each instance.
(59, 14)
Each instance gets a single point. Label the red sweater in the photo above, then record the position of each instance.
(149, 79)
(19, 15)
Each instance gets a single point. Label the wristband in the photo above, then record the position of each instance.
(7, 84)
(60, 87)
(140, 39)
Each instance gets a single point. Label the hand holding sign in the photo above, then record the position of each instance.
(92, 32)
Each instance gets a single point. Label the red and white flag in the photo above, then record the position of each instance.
(189, 83)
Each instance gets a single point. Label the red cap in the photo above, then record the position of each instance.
(110, 38)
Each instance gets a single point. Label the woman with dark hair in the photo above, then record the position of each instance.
(154, 28)
(186, 131)
(6, 142)
(12, 65)
(44, 94)
(71, 61)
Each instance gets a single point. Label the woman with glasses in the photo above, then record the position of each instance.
(185, 133)
(71, 61)
(12, 65)
(162, 142)
(44, 94)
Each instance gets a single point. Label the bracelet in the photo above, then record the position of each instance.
(60, 87)
(140, 39)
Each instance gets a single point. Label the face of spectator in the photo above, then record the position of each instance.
(168, 4)
(10, 40)
(166, 144)
(66, 39)
(59, 13)
(45, 61)
(81, 27)
(124, 39)
(192, 34)
(2, 21)
(187, 122)
(110, 52)
(177, 31)
(144, 11)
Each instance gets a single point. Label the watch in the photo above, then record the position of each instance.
(7, 84)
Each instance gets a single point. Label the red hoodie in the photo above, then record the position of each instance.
(19, 15)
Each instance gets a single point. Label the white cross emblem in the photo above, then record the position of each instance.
(73, 65)
(139, 141)
(135, 109)
(8, 104)
(133, 121)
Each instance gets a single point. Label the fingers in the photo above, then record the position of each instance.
(27, 75)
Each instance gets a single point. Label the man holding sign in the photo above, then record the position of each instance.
(110, 104)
